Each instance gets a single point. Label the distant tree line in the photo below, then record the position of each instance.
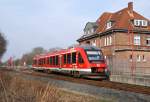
(28, 57)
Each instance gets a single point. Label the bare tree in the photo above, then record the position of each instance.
(3, 44)
(54, 49)
(28, 57)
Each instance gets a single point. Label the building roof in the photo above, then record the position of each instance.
(90, 25)
(122, 19)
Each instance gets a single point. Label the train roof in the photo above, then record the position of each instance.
(84, 46)
(89, 47)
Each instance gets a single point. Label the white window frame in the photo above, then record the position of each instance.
(138, 58)
(105, 41)
(138, 22)
(108, 25)
(144, 23)
(137, 40)
(88, 32)
(110, 40)
(92, 30)
(94, 43)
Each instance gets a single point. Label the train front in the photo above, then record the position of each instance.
(96, 63)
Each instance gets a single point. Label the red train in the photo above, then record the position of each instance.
(83, 60)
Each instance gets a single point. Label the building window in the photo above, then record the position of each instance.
(148, 41)
(110, 40)
(137, 22)
(105, 42)
(143, 23)
(130, 57)
(138, 58)
(88, 42)
(88, 32)
(137, 40)
(94, 43)
(108, 25)
(92, 30)
(144, 58)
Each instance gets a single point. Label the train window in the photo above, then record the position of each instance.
(51, 60)
(34, 61)
(80, 59)
(94, 55)
(39, 61)
(43, 61)
(68, 58)
(74, 57)
(65, 58)
(48, 60)
(56, 60)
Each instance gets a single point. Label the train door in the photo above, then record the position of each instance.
(74, 60)
(80, 61)
(75, 71)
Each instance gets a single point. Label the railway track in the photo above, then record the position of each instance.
(103, 83)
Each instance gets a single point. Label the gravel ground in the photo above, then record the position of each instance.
(110, 94)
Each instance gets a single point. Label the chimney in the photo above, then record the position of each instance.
(130, 6)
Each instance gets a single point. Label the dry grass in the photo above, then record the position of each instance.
(16, 89)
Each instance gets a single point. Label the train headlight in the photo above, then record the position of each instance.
(106, 70)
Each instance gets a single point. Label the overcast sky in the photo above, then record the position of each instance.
(27, 24)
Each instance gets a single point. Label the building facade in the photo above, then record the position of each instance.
(124, 37)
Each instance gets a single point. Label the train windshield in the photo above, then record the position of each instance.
(94, 55)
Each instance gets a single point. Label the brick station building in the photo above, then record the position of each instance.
(124, 37)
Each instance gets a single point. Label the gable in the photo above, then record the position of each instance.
(90, 25)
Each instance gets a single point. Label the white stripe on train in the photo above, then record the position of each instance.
(66, 69)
